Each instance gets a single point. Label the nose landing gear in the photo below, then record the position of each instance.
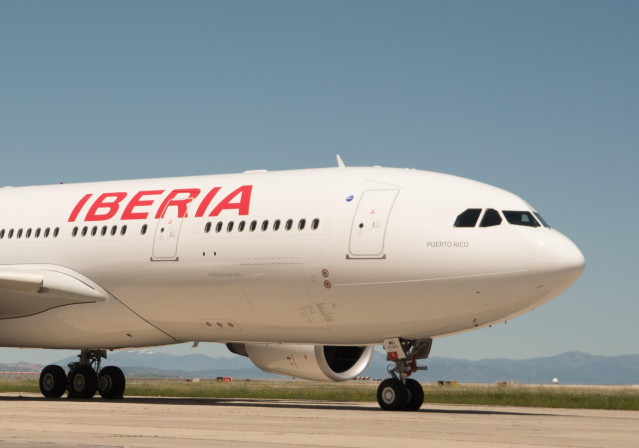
(401, 393)
(83, 381)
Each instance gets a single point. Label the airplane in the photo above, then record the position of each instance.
(302, 271)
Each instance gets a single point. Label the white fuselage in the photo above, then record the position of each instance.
(378, 257)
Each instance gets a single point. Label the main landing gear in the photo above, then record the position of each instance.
(401, 393)
(82, 380)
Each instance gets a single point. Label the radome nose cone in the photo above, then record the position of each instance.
(574, 259)
(568, 256)
(572, 264)
(557, 258)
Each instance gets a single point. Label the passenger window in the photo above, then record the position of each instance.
(491, 218)
(264, 225)
(114, 230)
(104, 231)
(276, 224)
(94, 230)
(218, 227)
(240, 226)
(301, 224)
(46, 232)
(253, 226)
(10, 234)
(56, 231)
(1, 234)
(289, 224)
(84, 230)
(229, 227)
(75, 231)
(520, 218)
(315, 224)
(468, 218)
(37, 233)
(19, 234)
(207, 227)
(123, 230)
(28, 235)
(142, 231)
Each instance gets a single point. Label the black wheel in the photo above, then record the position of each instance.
(392, 395)
(111, 382)
(415, 395)
(83, 382)
(53, 381)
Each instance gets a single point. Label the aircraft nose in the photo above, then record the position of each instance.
(554, 255)
(573, 258)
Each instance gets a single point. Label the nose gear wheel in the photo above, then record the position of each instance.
(401, 393)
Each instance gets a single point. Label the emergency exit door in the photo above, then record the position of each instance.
(167, 234)
(369, 224)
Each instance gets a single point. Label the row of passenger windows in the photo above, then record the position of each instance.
(102, 231)
(28, 233)
(264, 226)
(469, 218)
(113, 230)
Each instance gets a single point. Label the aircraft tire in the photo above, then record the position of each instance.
(111, 383)
(415, 395)
(53, 381)
(392, 395)
(83, 382)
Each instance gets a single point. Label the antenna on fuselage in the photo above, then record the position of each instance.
(340, 163)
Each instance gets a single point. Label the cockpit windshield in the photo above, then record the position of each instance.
(468, 218)
(520, 218)
(542, 220)
(491, 218)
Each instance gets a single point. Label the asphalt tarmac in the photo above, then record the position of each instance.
(29, 420)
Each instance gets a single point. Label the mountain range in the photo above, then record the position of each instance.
(568, 368)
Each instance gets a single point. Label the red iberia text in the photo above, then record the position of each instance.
(160, 203)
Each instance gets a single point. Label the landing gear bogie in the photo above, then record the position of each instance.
(83, 380)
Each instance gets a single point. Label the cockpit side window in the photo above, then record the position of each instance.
(491, 218)
(468, 218)
(520, 218)
(542, 220)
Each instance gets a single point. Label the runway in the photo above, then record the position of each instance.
(29, 420)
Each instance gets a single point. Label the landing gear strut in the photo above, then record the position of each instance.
(401, 393)
(83, 381)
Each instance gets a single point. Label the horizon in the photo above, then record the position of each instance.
(572, 368)
(229, 355)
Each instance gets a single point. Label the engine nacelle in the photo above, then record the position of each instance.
(309, 362)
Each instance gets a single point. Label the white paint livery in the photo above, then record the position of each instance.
(384, 261)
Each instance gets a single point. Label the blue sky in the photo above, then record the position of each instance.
(539, 98)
